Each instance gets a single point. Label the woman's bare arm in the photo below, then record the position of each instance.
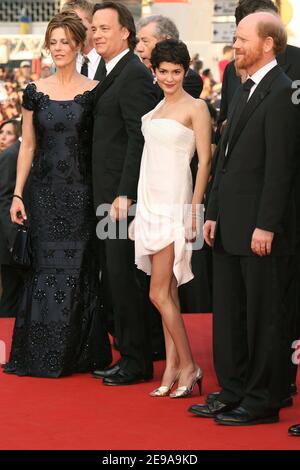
(25, 158)
(201, 123)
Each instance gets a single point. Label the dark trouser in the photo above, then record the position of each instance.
(293, 305)
(105, 293)
(12, 283)
(293, 289)
(130, 306)
(249, 334)
(293, 320)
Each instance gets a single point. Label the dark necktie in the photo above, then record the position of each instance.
(240, 106)
(101, 71)
(84, 68)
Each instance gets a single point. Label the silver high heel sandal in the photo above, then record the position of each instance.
(183, 391)
(164, 390)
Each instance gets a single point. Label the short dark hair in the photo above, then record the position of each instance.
(173, 51)
(125, 19)
(246, 7)
(206, 72)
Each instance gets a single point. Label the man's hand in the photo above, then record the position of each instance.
(261, 243)
(209, 231)
(119, 208)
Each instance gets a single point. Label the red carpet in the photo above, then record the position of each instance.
(80, 413)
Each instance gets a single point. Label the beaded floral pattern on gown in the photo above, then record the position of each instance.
(165, 192)
(59, 329)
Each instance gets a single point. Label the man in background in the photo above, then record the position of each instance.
(11, 276)
(88, 63)
(227, 58)
(251, 223)
(156, 28)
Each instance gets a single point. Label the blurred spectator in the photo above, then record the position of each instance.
(198, 66)
(11, 277)
(208, 84)
(227, 57)
(45, 70)
(10, 131)
(2, 73)
(24, 76)
(194, 59)
(12, 83)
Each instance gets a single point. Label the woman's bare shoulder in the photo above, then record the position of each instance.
(89, 84)
(198, 107)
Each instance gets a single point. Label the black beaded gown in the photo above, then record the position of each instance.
(59, 329)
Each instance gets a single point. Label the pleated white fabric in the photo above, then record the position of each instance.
(164, 193)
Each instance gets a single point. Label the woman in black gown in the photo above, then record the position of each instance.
(59, 329)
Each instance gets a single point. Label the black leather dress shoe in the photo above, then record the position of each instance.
(294, 430)
(101, 374)
(286, 402)
(210, 410)
(212, 397)
(241, 417)
(123, 377)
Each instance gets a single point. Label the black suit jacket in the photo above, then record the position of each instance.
(122, 99)
(97, 75)
(193, 83)
(8, 164)
(231, 83)
(253, 184)
(289, 61)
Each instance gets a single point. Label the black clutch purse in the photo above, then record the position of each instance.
(21, 251)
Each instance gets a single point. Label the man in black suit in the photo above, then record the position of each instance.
(251, 219)
(289, 61)
(11, 276)
(124, 96)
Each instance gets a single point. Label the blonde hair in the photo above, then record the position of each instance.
(71, 24)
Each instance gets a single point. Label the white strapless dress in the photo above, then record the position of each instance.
(165, 190)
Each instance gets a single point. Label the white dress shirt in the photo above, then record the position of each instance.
(260, 74)
(113, 62)
(94, 59)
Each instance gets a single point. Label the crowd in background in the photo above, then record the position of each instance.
(14, 80)
(12, 83)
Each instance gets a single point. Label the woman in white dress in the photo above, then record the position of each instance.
(161, 230)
